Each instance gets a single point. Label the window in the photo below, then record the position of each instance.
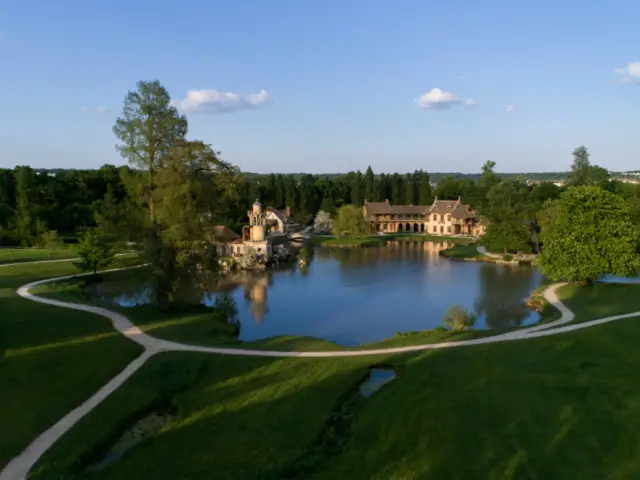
(448, 229)
(448, 218)
(435, 229)
(435, 218)
(442, 218)
(441, 229)
(259, 250)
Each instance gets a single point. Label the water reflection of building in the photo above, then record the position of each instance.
(254, 287)
(255, 292)
(394, 250)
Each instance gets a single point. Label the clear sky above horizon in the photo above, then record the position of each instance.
(329, 86)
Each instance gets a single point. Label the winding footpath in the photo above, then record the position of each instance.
(18, 467)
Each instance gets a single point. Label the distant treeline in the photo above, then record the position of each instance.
(69, 201)
(436, 177)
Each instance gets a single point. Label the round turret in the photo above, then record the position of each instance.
(257, 208)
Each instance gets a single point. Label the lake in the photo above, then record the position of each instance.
(362, 295)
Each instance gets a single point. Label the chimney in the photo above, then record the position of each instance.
(287, 211)
(459, 199)
(386, 200)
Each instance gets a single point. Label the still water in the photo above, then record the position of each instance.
(362, 295)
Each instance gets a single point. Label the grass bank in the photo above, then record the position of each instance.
(553, 407)
(51, 359)
(17, 255)
(376, 240)
(599, 300)
(537, 302)
(462, 252)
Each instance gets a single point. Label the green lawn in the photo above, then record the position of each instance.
(416, 237)
(348, 242)
(374, 240)
(555, 407)
(599, 300)
(51, 359)
(15, 255)
(462, 251)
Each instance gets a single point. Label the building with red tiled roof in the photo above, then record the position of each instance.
(442, 217)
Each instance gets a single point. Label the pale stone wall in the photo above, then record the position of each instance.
(433, 223)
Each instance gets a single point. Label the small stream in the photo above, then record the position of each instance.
(378, 377)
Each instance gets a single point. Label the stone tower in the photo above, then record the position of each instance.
(258, 223)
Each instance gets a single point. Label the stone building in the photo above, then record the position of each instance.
(263, 235)
(254, 235)
(225, 239)
(280, 221)
(442, 217)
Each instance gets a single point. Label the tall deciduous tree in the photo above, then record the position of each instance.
(190, 191)
(148, 128)
(510, 216)
(583, 173)
(587, 233)
(350, 220)
(95, 251)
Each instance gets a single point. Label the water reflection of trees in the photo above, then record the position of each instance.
(406, 251)
(502, 293)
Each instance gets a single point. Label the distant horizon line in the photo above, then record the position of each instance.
(332, 174)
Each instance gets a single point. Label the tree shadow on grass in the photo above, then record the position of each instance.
(600, 300)
(240, 418)
(51, 361)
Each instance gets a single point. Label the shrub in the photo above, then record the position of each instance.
(507, 258)
(50, 239)
(323, 222)
(457, 318)
(227, 307)
(95, 252)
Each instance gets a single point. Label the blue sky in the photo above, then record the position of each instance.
(332, 85)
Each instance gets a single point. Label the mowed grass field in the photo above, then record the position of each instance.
(566, 406)
(51, 359)
(18, 255)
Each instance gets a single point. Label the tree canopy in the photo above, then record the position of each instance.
(350, 221)
(588, 233)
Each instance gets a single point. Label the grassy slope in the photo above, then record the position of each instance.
(548, 408)
(600, 300)
(461, 251)
(374, 240)
(50, 359)
(15, 255)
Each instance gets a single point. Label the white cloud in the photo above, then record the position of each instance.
(209, 101)
(511, 108)
(630, 73)
(470, 102)
(95, 110)
(438, 99)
